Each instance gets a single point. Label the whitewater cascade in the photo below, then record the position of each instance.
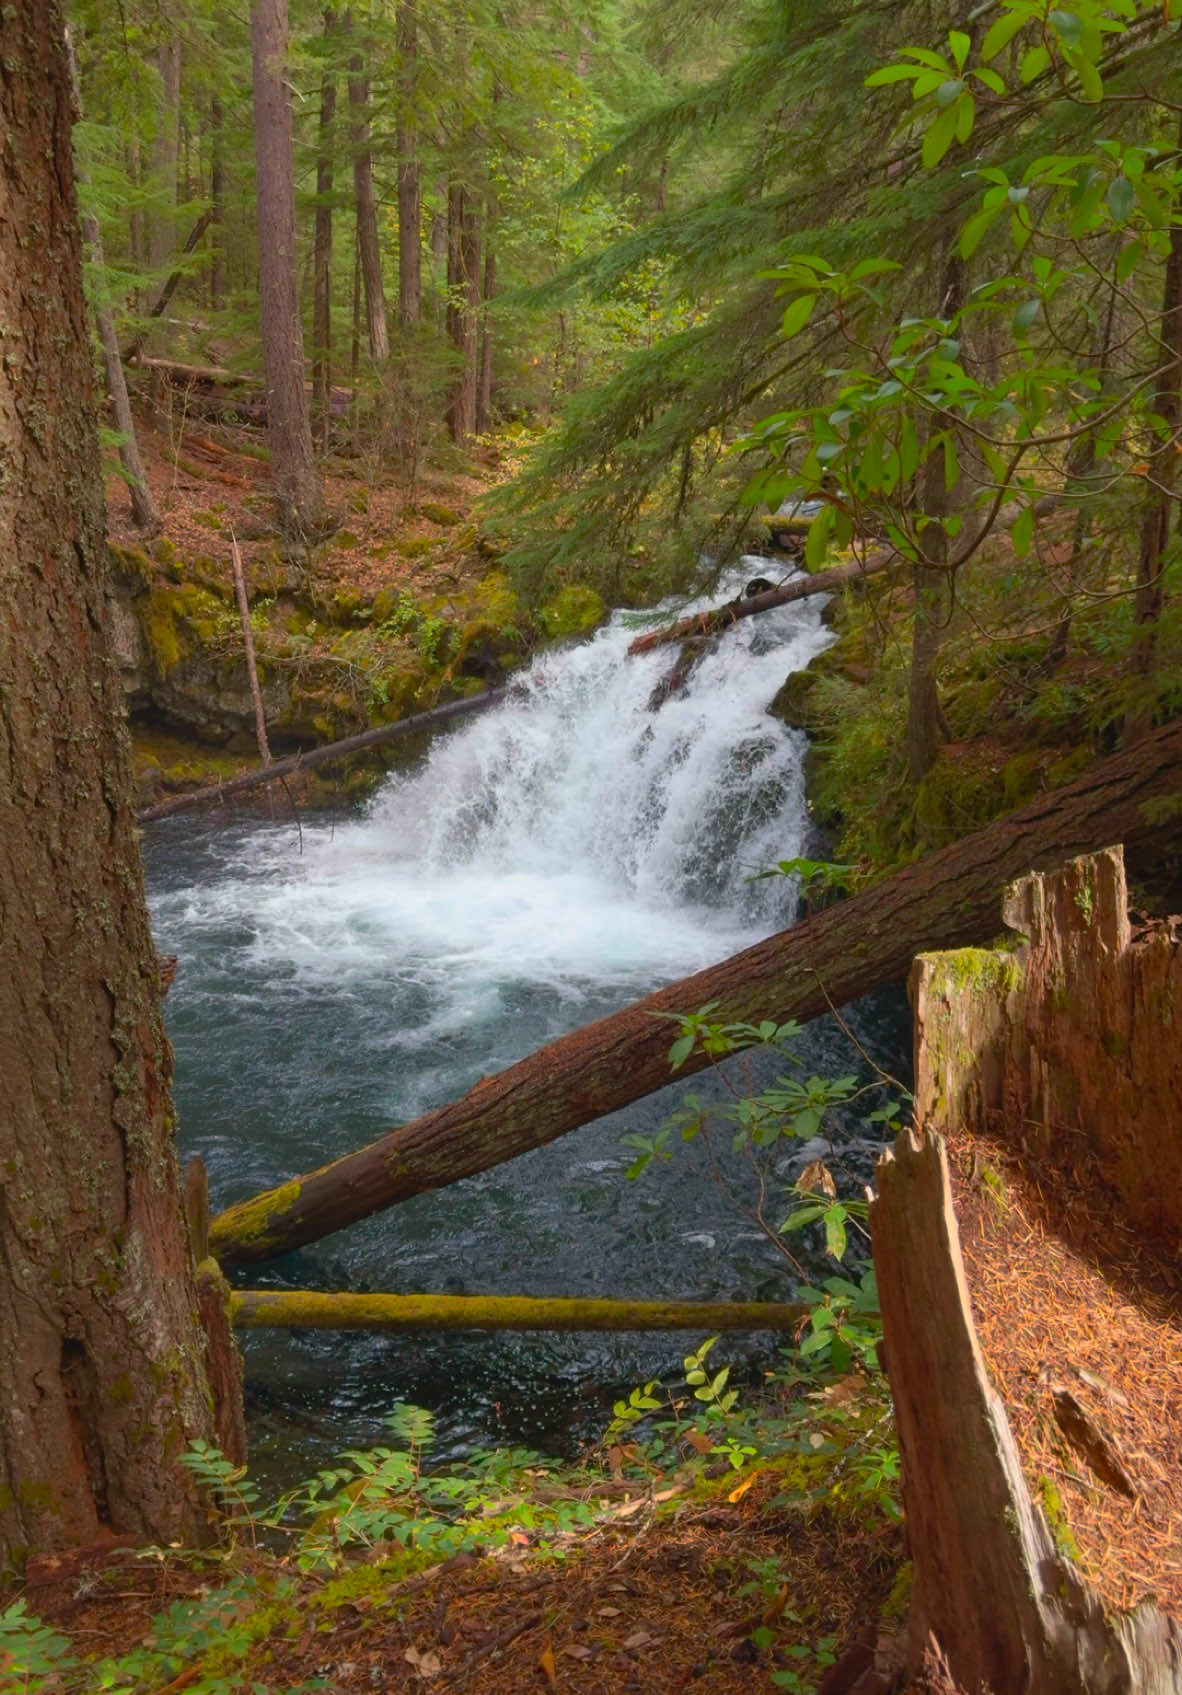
(565, 852)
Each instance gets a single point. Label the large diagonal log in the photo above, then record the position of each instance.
(949, 899)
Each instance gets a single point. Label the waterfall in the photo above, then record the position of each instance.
(567, 851)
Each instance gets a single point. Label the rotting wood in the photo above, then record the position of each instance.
(1078, 1039)
(309, 1309)
(990, 1587)
(214, 794)
(947, 900)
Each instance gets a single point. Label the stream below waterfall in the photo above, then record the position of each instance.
(564, 853)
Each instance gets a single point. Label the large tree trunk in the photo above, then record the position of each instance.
(298, 493)
(368, 242)
(322, 251)
(410, 191)
(102, 1358)
(463, 305)
(947, 900)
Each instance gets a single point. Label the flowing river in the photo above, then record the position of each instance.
(556, 857)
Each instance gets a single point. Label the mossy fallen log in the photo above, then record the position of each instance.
(309, 1309)
(215, 793)
(949, 899)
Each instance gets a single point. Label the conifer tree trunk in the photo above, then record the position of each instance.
(166, 148)
(217, 196)
(297, 486)
(463, 305)
(927, 727)
(484, 383)
(103, 1377)
(410, 192)
(322, 252)
(368, 243)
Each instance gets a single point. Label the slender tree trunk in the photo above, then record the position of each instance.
(484, 383)
(143, 511)
(298, 493)
(252, 670)
(927, 727)
(102, 1358)
(1163, 469)
(137, 224)
(217, 195)
(165, 149)
(949, 899)
(322, 253)
(463, 308)
(410, 192)
(368, 242)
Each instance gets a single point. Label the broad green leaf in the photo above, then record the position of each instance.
(974, 231)
(949, 91)
(939, 138)
(1034, 62)
(1001, 33)
(1090, 79)
(797, 314)
(817, 539)
(908, 451)
(1130, 256)
(966, 114)
(990, 79)
(1025, 316)
(1022, 533)
(960, 44)
(889, 74)
(1121, 198)
(1069, 27)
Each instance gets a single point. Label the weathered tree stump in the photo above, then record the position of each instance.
(1058, 1032)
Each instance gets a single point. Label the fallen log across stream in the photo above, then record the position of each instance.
(949, 899)
(800, 588)
(312, 1309)
(214, 794)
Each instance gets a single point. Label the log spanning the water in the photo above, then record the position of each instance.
(949, 899)
(310, 1309)
(800, 588)
(214, 793)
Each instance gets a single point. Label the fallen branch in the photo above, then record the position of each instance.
(800, 588)
(131, 351)
(948, 899)
(215, 793)
(309, 1309)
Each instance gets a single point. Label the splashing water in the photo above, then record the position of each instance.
(565, 852)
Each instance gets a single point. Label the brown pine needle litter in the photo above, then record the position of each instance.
(1080, 1320)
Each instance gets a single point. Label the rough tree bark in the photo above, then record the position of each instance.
(102, 1357)
(368, 243)
(322, 250)
(1071, 1037)
(165, 146)
(463, 308)
(947, 900)
(298, 493)
(410, 192)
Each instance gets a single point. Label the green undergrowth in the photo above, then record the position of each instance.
(1031, 696)
(813, 1439)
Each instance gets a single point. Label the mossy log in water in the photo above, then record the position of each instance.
(949, 899)
(306, 1309)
